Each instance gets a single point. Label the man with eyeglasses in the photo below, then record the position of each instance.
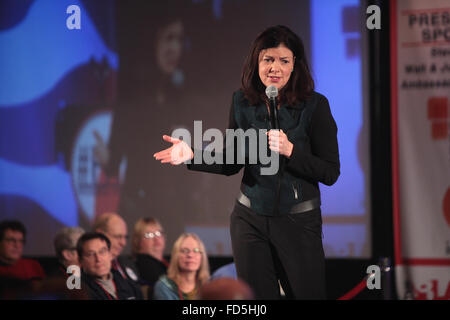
(12, 265)
(103, 282)
(114, 227)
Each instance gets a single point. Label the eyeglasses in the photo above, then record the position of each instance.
(102, 252)
(13, 240)
(151, 235)
(187, 250)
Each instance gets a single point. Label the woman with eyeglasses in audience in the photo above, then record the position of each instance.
(188, 270)
(148, 244)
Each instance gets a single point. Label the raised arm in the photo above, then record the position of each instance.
(222, 168)
(180, 152)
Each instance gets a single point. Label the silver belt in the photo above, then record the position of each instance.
(298, 208)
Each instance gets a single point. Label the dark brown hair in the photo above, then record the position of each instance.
(299, 86)
(13, 225)
(88, 236)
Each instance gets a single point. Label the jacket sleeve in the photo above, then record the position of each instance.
(223, 167)
(320, 162)
(162, 292)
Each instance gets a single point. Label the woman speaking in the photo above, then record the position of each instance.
(276, 224)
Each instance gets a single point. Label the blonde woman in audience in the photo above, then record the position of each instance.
(188, 270)
(148, 244)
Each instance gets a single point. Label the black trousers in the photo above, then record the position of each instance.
(286, 248)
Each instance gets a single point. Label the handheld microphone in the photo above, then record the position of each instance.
(272, 93)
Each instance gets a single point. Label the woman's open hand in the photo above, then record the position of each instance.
(178, 153)
(278, 142)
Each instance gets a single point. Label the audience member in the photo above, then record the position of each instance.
(114, 227)
(188, 270)
(148, 244)
(103, 283)
(12, 265)
(65, 243)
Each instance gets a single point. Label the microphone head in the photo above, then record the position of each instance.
(271, 92)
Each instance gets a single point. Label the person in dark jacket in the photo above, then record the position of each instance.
(276, 224)
(102, 282)
(114, 227)
(148, 244)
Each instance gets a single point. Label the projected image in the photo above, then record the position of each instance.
(82, 112)
(51, 78)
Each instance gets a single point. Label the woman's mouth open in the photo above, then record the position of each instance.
(274, 78)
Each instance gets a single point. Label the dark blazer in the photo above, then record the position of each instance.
(310, 127)
(129, 268)
(126, 289)
(150, 268)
